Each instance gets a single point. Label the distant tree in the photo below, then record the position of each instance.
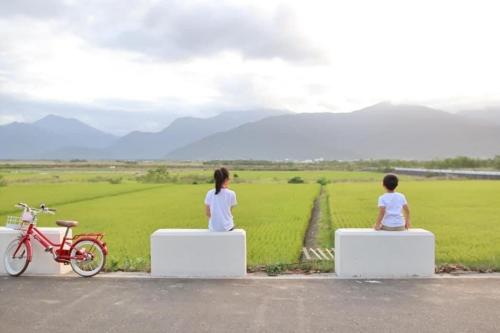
(458, 162)
(496, 162)
(158, 175)
(296, 180)
(323, 181)
(115, 180)
(463, 162)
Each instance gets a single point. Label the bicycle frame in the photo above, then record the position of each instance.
(58, 250)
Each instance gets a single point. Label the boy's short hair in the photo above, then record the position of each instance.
(390, 182)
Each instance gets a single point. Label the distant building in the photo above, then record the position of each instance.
(449, 173)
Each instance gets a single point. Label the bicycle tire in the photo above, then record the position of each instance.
(24, 256)
(75, 264)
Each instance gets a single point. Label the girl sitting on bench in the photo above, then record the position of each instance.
(219, 203)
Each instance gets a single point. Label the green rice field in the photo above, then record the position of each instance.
(275, 217)
(463, 214)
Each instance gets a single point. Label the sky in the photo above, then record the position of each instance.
(139, 66)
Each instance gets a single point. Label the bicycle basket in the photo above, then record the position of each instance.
(27, 217)
(16, 223)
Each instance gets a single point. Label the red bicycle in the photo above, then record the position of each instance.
(86, 253)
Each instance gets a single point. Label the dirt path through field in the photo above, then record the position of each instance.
(313, 227)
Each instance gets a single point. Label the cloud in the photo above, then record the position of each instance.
(175, 30)
(197, 57)
(32, 8)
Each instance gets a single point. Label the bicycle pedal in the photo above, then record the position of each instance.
(49, 249)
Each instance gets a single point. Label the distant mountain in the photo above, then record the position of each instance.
(182, 131)
(76, 132)
(491, 115)
(65, 138)
(380, 131)
(20, 141)
(40, 139)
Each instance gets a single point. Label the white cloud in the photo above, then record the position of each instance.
(303, 56)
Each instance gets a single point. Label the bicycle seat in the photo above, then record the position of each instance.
(67, 224)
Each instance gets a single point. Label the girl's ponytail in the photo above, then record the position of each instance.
(220, 176)
(218, 180)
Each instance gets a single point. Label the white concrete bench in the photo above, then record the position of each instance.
(367, 253)
(43, 262)
(198, 253)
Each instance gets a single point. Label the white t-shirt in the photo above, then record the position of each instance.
(220, 205)
(393, 203)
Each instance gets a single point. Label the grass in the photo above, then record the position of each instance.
(62, 176)
(325, 234)
(463, 215)
(274, 216)
(307, 176)
(59, 194)
(244, 176)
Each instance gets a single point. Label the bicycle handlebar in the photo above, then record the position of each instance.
(49, 211)
(43, 208)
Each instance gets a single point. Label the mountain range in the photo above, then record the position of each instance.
(491, 115)
(383, 130)
(49, 135)
(182, 131)
(54, 137)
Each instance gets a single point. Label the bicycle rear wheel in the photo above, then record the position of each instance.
(16, 262)
(88, 258)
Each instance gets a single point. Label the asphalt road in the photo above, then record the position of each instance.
(73, 304)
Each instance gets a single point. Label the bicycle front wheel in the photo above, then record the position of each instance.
(88, 258)
(16, 258)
